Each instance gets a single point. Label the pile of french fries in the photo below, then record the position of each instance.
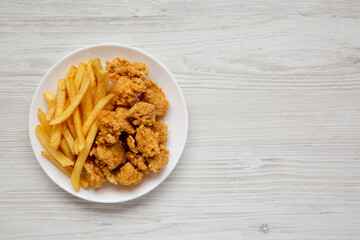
(69, 127)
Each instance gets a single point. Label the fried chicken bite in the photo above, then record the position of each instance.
(138, 161)
(138, 69)
(158, 162)
(154, 95)
(142, 113)
(125, 126)
(126, 90)
(147, 142)
(128, 175)
(121, 67)
(111, 124)
(93, 174)
(109, 175)
(162, 129)
(117, 67)
(112, 155)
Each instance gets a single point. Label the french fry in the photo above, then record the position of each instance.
(50, 113)
(45, 140)
(76, 174)
(78, 76)
(70, 87)
(74, 103)
(76, 147)
(69, 130)
(70, 140)
(43, 122)
(92, 79)
(87, 101)
(102, 77)
(66, 149)
(48, 97)
(71, 126)
(66, 170)
(63, 127)
(95, 112)
(55, 138)
(80, 136)
(51, 103)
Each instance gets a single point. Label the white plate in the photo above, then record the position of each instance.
(176, 118)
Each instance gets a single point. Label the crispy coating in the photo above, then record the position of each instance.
(162, 129)
(111, 124)
(109, 129)
(109, 175)
(121, 67)
(99, 163)
(93, 174)
(118, 67)
(153, 94)
(158, 162)
(128, 175)
(147, 142)
(138, 69)
(112, 155)
(131, 144)
(126, 90)
(142, 113)
(122, 111)
(138, 161)
(125, 126)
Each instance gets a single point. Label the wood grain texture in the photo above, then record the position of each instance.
(273, 92)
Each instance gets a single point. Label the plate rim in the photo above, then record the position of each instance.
(33, 108)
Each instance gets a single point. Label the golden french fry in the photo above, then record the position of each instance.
(67, 102)
(86, 105)
(48, 97)
(87, 101)
(66, 170)
(69, 135)
(43, 122)
(63, 127)
(70, 123)
(75, 176)
(70, 140)
(74, 103)
(78, 76)
(45, 140)
(55, 138)
(69, 82)
(76, 147)
(95, 112)
(80, 136)
(65, 148)
(50, 113)
(92, 79)
(102, 77)
(96, 65)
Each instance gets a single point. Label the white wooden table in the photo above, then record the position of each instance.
(273, 92)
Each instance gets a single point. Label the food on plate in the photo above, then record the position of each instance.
(97, 132)
(154, 95)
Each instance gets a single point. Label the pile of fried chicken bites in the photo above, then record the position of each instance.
(131, 134)
(128, 134)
